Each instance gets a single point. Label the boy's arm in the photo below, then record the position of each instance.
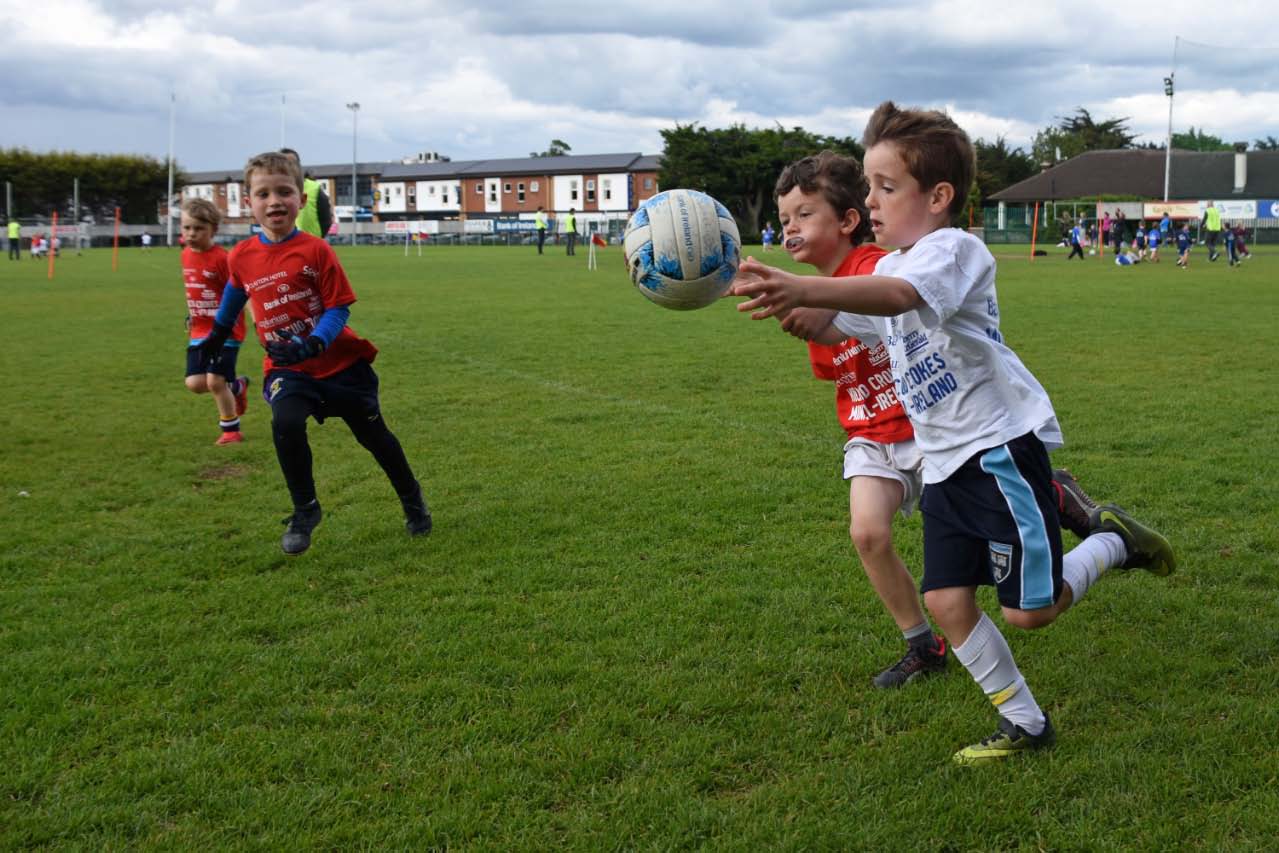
(775, 291)
(233, 300)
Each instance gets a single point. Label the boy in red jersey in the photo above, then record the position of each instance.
(316, 366)
(205, 274)
(824, 222)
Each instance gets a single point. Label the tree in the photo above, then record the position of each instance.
(1078, 133)
(999, 167)
(1200, 141)
(558, 148)
(1267, 144)
(43, 183)
(739, 165)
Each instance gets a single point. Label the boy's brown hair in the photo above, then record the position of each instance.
(838, 178)
(274, 163)
(202, 210)
(934, 148)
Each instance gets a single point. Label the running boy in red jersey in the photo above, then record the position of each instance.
(822, 202)
(205, 274)
(316, 366)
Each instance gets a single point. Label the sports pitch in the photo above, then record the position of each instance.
(639, 622)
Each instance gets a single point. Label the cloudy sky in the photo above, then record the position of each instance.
(501, 79)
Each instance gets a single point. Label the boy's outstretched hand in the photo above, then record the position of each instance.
(290, 349)
(773, 291)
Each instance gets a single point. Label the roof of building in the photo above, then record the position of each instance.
(1140, 172)
(571, 164)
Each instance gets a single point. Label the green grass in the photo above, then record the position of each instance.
(639, 622)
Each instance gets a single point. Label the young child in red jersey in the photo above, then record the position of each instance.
(316, 366)
(205, 274)
(822, 202)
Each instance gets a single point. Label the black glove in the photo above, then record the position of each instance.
(290, 349)
(211, 346)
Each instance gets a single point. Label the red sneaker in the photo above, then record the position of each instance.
(233, 437)
(242, 399)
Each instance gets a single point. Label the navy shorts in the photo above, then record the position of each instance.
(197, 364)
(351, 392)
(994, 522)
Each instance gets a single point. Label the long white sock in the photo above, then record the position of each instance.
(986, 656)
(1088, 560)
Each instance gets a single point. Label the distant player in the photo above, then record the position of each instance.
(1077, 241)
(205, 276)
(1153, 239)
(1139, 241)
(1232, 253)
(1184, 242)
(146, 241)
(316, 366)
(767, 236)
(1241, 245)
(981, 419)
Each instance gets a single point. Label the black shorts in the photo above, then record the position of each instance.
(351, 392)
(197, 364)
(994, 522)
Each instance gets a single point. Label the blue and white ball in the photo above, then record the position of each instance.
(682, 249)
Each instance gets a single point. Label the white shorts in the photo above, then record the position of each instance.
(901, 461)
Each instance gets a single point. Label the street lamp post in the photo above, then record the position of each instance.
(354, 107)
(1168, 90)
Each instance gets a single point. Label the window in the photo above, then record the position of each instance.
(590, 190)
(607, 186)
(430, 190)
(506, 187)
(493, 191)
(399, 190)
(572, 190)
(479, 189)
(532, 187)
(648, 183)
(520, 192)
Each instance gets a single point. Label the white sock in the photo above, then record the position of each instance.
(986, 656)
(1088, 560)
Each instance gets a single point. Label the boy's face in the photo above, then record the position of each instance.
(901, 211)
(813, 232)
(275, 200)
(197, 233)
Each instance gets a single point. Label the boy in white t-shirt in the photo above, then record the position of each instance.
(983, 422)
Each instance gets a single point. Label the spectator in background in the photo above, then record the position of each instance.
(539, 221)
(1117, 231)
(1211, 225)
(570, 230)
(15, 240)
(146, 241)
(1105, 228)
(316, 216)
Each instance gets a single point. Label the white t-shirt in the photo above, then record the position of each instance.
(963, 389)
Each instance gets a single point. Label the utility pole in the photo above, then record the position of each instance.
(354, 107)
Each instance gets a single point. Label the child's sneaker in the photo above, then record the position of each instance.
(232, 437)
(1146, 549)
(242, 399)
(297, 538)
(417, 515)
(1009, 740)
(1073, 504)
(918, 662)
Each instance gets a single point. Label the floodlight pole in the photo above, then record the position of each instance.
(354, 107)
(1168, 90)
(168, 199)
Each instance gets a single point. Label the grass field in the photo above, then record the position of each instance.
(639, 622)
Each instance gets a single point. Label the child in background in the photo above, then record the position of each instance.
(1232, 251)
(983, 422)
(767, 236)
(316, 366)
(1184, 242)
(824, 222)
(205, 275)
(1077, 241)
(1139, 242)
(1241, 246)
(1153, 239)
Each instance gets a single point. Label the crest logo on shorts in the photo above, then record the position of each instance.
(1001, 560)
(276, 385)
